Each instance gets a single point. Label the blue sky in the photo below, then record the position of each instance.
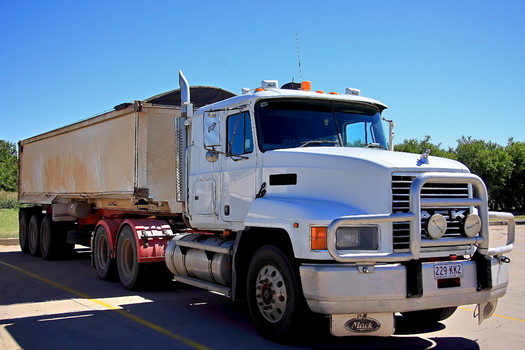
(445, 68)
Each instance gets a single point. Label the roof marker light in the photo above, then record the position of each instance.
(320, 91)
(269, 84)
(306, 86)
(353, 92)
(334, 93)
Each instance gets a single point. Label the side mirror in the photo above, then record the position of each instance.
(391, 126)
(211, 130)
(211, 136)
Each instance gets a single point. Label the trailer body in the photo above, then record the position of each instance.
(111, 160)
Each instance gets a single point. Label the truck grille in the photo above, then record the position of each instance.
(400, 204)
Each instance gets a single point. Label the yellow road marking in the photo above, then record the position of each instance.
(124, 313)
(494, 315)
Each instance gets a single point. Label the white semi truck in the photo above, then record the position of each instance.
(288, 198)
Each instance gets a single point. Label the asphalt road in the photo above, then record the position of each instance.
(63, 305)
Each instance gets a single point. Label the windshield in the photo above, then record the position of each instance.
(288, 123)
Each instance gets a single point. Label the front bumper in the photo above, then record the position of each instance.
(346, 289)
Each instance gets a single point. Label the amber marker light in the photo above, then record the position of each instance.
(306, 86)
(318, 238)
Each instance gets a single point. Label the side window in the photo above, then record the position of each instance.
(240, 137)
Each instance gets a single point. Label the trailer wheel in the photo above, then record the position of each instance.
(23, 235)
(48, 241)
(429, 316)
(274, 296)
(34, 236)
(127, 260)
(105, 265)
(53, 240)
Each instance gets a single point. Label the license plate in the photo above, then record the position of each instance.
(448, 271)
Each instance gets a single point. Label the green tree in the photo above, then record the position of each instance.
(420, 147)
(514, 198)
(489, 161)
(8, 166)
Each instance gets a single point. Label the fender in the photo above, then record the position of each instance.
(112, 228)
(152, 238)
(295, 215)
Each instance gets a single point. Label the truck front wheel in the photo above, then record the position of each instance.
(274, 294)
(429, 316)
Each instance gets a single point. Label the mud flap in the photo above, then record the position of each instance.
(485, 310)
(377, 325)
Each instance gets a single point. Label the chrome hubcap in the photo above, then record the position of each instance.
(271, 294)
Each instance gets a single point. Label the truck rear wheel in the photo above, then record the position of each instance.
(105, 265)
(274, 296)
(34, 236)
(48, 242)
(53, 240)
(23, 228)
(127, 260)
(429, 316)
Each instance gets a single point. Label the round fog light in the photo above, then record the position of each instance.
(471, 225)
(436, 226)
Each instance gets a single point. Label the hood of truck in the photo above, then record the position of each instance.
(356, 180)
(395, 161)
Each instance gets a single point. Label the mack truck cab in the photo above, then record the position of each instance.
(297, 202)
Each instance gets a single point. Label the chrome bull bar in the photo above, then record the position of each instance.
(479, 200)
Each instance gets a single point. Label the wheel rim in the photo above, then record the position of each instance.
(127, 257)
(102, 252)
(271, 294)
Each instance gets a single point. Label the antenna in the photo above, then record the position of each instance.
(298, 56)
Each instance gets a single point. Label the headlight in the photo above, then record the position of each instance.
(357, 238)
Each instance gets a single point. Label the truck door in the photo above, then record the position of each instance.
(204, 175)
(238, 180)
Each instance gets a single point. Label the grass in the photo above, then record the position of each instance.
(8, 214)
(8, 200)
(8, 223)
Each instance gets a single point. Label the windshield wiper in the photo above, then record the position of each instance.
(305, 143)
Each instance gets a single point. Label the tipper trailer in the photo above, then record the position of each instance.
(289, 198)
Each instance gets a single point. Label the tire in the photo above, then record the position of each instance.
(429, 316)
(48, 243)
(275, 297)
(68, 249)
(106, 266)
(53, 240)
(23, 232)
(34, 236)
(127, 260)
